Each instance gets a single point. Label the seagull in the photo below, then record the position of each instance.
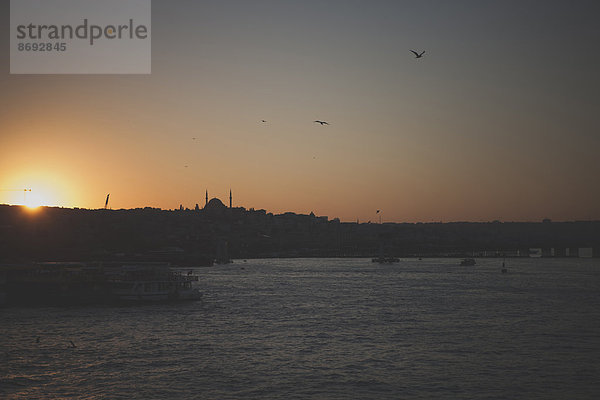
(417, 55)
(322, 122)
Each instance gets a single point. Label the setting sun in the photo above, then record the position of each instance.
(34, 200)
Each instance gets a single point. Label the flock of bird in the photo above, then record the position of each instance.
(317, 121)
(417, 55)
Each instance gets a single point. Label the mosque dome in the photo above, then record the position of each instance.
(215, 204)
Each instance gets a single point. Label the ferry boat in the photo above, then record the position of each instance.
(48, 283)
(152, 282)
(95, 283)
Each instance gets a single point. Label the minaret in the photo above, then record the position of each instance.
(229, 198)
(206, 201)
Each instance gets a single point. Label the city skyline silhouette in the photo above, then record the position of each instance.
(496, 121)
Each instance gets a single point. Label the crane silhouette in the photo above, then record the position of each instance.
(18, 190)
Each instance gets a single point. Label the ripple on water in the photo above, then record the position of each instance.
(333, 329)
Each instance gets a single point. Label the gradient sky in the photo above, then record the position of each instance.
(498, 120)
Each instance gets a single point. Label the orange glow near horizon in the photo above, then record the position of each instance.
(32, 209)
(85, 188)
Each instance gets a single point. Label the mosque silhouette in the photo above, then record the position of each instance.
(215, 204)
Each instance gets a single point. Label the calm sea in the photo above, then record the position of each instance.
(325, 329)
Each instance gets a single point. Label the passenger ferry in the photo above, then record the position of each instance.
(79, 283)
(151, 282)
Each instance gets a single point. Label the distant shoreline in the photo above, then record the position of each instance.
(218, 233)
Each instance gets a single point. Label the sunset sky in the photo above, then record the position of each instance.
(498, 120)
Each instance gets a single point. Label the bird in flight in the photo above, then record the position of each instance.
(418, 55)
(322, 122)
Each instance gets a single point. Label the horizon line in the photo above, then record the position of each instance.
(252, 209)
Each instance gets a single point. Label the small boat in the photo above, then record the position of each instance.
(384, 260)
(467, 262)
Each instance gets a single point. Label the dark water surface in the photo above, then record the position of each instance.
(325, 329)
